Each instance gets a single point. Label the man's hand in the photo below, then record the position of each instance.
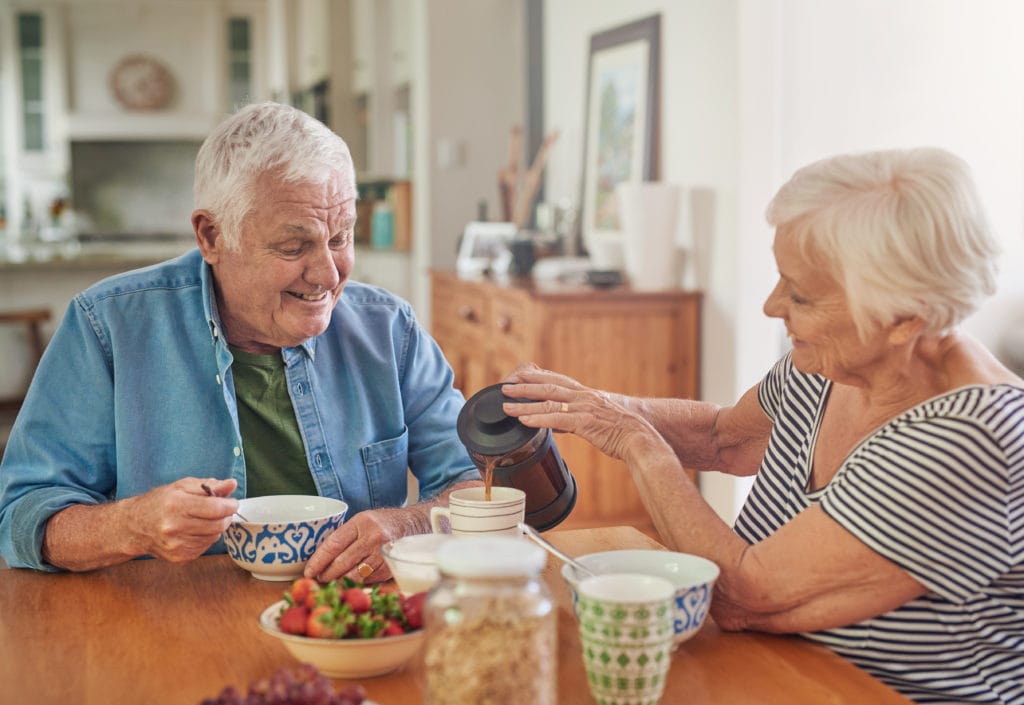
(178, 522)
(354, 547)
(355, 544)
(175, 522)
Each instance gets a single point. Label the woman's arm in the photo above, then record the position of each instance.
(704, 436)
(811, 574)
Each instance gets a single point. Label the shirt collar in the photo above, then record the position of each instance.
(210, 301)
(303, 349)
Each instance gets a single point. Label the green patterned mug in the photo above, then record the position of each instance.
(626, 630)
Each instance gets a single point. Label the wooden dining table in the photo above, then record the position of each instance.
(149, 632)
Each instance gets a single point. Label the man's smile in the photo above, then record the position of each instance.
(309, 297)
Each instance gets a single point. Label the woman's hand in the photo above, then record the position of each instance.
(551, 400)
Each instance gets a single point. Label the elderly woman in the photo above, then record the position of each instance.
(887, 517)
(251, 364)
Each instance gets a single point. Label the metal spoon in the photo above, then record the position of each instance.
(547, 546)
(209, 492)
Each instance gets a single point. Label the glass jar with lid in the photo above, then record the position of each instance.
(490, 625)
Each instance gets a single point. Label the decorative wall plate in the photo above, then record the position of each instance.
(141, 83)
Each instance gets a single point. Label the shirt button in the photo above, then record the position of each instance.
(319, 461)
(298, 388)
(238, 451)
(218, 379)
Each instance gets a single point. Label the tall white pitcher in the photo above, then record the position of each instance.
(649, 215)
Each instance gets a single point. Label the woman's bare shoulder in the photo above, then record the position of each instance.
(968, 361)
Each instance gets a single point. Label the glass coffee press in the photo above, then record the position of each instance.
(521, 457)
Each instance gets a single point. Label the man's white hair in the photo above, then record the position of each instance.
(261, 138)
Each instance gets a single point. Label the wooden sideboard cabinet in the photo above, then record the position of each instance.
(617, 339)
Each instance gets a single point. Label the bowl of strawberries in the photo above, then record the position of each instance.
(345, 629)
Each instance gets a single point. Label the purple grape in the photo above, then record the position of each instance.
(230, 696)
(302, 685)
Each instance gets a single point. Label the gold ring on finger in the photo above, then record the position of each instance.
(565, 407)
(364, 569)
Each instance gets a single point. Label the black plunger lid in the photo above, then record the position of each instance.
(484, 428)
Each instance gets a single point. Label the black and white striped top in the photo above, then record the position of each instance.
(939, 490)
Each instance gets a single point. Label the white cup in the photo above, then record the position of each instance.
(413, 561)
(469, 514)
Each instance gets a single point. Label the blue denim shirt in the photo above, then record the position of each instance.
(135, 391)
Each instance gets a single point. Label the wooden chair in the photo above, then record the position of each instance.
(32, 320)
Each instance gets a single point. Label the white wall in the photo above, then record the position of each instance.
(699, 150)
(753, 89)
(468, 91)
(938, 72)
(820, 77)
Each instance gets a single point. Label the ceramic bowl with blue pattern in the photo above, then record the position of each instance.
(693, 577)
(281, 533)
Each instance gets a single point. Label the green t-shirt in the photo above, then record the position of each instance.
(275, 457)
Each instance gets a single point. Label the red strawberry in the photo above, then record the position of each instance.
(320, 623)
(303, 592)
(293, 620)
(412, 608)
(357, 600)
(393, 628)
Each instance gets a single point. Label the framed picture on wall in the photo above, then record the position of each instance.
(621, 121)
(486, 247)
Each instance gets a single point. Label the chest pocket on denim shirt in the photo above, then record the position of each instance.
(387, 464)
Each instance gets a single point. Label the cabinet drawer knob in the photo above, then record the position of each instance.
(467, 313)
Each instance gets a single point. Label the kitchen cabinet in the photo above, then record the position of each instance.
(312, 43)
(401, 42)
(189, 42)
(32, 102)
(385, 268)
(111, 72)
(32, 158)
(363, 26)
(380, 41)
(617, 339)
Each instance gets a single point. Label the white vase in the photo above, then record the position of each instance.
(606, 251)
(649, 215)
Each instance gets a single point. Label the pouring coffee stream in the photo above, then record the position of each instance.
(489, 473)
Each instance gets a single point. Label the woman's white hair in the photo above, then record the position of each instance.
(902, 231)
(260, 138)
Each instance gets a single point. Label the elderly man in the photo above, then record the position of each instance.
(250, 364)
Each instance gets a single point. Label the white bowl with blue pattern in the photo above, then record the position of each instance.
(281, 533)
(693, 577)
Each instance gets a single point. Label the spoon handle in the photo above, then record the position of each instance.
(550, 548)
(209, 492)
